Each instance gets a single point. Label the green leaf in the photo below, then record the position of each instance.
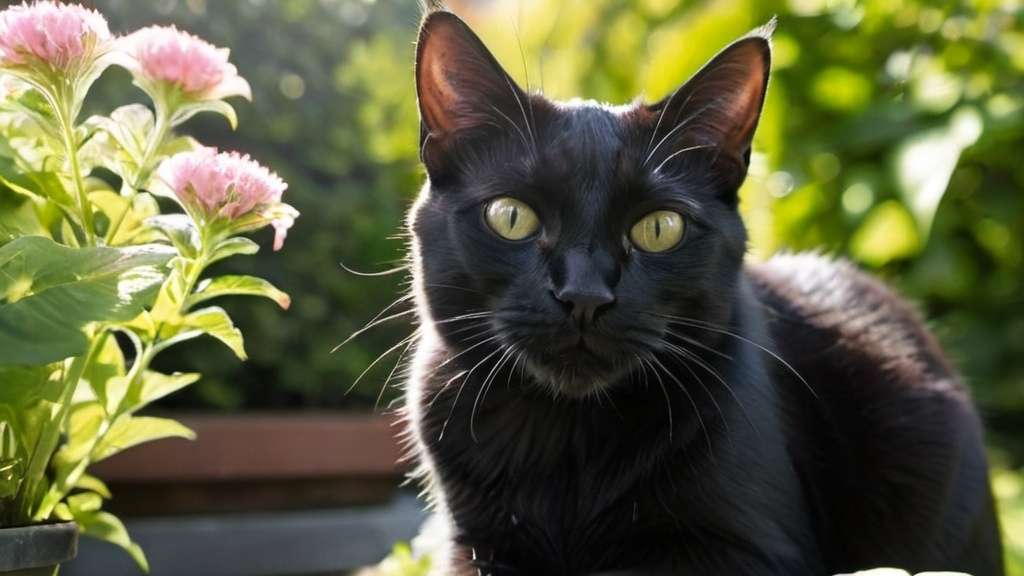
(129, 126)
(180, 144)
(84, 426)
(128, 431)
(105, 374)
(218, 106)
(106, 526)
(29, 434)
(40, 185)
(50, 292)
(180, 230)
(215, 322)
(25, 216)
(120, 141)
(238, 285)
(155, 386)
(85, 501)
(93, 484)
(237, 245)
(128, 217)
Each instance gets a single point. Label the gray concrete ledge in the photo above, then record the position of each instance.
(256, 544)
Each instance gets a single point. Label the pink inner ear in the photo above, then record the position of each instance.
(437, 96)
(743, 107)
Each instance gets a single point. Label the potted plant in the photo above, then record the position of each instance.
(95, 278)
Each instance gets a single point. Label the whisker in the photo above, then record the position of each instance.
(685, 357)
(522, 135)
(407, 341)
(696, 410)
(398, 363)
(506, 354)
(395, 270)
(678, 152)
(462, 387)
(679, 126)
(376, 321)
(711, 328)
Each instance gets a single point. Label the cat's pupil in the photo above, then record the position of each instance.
(513, 215)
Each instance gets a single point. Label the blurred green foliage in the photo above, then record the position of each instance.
(893, 135)
(333, 113)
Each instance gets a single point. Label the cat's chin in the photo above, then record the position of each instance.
(575, 381)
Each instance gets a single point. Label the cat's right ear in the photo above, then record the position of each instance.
(460, 87)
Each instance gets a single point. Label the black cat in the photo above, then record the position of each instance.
(600, 386)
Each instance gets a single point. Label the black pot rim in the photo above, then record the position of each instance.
(38, 545)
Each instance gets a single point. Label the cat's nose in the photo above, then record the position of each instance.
(584, 305)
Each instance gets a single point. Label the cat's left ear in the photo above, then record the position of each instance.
(720, 105)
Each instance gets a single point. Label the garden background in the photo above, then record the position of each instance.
(893, 135)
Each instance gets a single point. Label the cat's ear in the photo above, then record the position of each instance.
(720, 105)
(460, 86)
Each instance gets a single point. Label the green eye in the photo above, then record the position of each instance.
(511, 219)
(658, 231)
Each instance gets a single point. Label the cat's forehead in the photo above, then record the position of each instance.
(583, 137)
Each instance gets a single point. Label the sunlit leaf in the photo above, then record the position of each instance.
(234, 246)
(238, 285)
(105, 374)
(127, 216)
(106, 526)
(49, 292)
(217, 106)
(93, 484)
(41, 185)
(128, 431)
(180, 230)
(156, 385)
(215, 322)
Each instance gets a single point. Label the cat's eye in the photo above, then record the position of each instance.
(511, 219)
(658, 231)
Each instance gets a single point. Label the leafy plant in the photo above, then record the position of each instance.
(95, 280)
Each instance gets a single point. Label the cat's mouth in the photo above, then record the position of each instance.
(579, 370)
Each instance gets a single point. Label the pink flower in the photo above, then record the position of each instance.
(229, 186)
(59, 36)
(162, 54)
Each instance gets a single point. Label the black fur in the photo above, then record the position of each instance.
(580, 407)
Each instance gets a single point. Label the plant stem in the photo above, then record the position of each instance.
(161, 127)
(50, 439)
(64, 109)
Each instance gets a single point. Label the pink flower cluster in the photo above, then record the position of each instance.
(198, 68)
(60, 36)
(228, 185)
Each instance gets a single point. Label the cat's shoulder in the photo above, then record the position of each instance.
(830, 302)
(817, 284)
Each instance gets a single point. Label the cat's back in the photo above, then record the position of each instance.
(884, 435)
(833, 309)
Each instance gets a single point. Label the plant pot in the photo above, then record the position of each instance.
(37, 550)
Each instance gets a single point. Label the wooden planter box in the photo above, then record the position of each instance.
(258, 462)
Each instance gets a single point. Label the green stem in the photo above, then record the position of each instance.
(161, 128)
(64, 108)
(50, 440)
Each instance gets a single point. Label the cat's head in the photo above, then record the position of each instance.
(575, 242)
